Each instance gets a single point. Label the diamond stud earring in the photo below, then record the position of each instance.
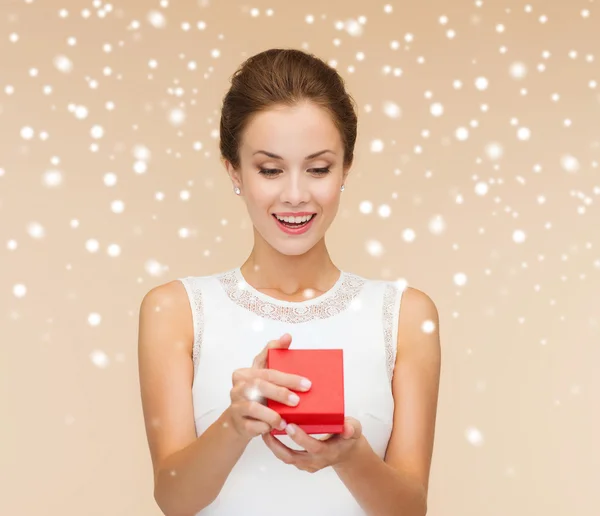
(237, 191)
(342, 188)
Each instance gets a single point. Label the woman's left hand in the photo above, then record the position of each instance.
(318, 453)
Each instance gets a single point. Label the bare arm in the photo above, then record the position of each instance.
(380, 489)
(189, 472)
(190, 479)
(400, 484)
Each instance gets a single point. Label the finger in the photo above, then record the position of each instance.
(299, 436)
(352, 429)
(243, 374)
(242, 381)
(247, 391)
(268, 390)
(255, 427)
(260, 390)
(260, 360)
(325, 437)
(281, 451)
(282, 342)
(348, 431)
(289, 380)
(256, 410)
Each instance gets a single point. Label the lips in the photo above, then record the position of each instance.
(290, 230)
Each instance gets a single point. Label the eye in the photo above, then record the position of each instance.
(275, 171)
(268, 171)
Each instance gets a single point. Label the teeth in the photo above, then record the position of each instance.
(296, 220)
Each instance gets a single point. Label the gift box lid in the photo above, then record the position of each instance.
(323, 403)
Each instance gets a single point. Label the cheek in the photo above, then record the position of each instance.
(327, 199)
(258, 196)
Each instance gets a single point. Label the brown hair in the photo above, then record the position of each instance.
(284, 77)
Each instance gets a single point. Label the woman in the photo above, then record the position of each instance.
(288, 130)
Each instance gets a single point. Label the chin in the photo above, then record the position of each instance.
(293, 252)
(291, 248)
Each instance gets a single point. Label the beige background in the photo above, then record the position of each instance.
(517, 217)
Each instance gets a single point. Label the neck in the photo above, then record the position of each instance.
(266, 268)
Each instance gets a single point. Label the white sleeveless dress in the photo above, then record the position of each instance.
(232, 324)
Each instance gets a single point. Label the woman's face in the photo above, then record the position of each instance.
(290, 181)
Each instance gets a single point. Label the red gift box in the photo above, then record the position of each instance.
(321, 408)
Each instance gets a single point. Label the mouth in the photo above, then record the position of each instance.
(295, 228)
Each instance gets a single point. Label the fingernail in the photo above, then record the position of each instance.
(294, 399)
(306, 383)
(282, 424)
(290, 429)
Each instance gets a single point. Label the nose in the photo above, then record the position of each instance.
(295, 190)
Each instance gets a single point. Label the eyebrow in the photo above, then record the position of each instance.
(275, 156)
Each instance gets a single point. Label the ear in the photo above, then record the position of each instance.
(234, 175)
(346, 171)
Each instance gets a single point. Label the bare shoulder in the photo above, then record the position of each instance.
(169, 298)
(418, 342)
(418, 314)
(415, 387)
(165, 341)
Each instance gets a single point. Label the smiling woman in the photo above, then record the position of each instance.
(288, 130)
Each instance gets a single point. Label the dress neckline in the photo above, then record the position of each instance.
(332, 302)
(244, 285)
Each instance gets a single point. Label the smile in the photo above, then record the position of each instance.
(295, 229)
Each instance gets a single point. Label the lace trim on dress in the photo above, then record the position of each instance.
(334, 301)
(389, 303)
(198, 316)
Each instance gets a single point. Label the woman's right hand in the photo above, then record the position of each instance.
(248, 413)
